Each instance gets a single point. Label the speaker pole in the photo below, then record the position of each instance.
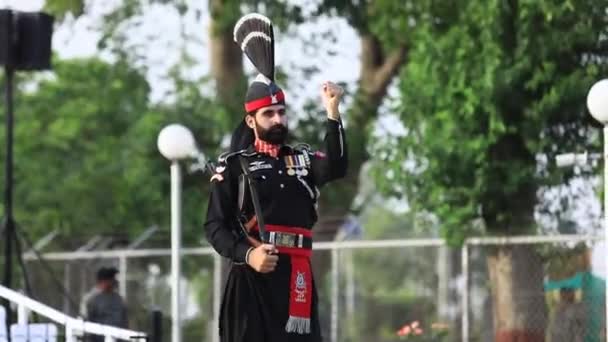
(9, 226)
(8, 222)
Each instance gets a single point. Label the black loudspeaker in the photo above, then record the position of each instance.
(6, 28)
(25, 40)
(34, 32)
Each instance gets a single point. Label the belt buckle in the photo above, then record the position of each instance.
(284, 239)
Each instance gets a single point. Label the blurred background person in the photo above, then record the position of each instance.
(103, 304)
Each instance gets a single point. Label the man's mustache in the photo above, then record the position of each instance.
(278, 127)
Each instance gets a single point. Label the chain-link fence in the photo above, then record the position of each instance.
(536, 289)
(490, 289)
(374, 290)
(143, 282)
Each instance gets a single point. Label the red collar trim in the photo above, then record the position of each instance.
(268, 148)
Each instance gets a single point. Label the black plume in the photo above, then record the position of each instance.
(254, 34)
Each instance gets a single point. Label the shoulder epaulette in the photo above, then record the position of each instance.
(302, 147)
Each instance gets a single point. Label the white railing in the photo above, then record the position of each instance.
(73, 326)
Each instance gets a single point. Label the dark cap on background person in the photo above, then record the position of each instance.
(106, 273)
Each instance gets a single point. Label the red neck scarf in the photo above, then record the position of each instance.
(264, 147)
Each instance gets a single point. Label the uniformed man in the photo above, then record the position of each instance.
(270, 294)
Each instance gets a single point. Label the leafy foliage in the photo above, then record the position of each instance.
(491, 87)
(85, 151)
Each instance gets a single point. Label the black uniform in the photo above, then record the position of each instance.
(255, 305)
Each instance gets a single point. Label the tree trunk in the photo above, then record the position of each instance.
(227, 71)
(516, 277)
(515, 272)
(226, 58)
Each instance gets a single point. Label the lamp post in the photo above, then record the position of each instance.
(597, 103)
(175, 142)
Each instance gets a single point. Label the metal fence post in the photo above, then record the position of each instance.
(122, 274)
(22, 314)
(217, 295)
(156, 335)
(350, 283)
(67, 275)
(69, 332)
(335, 279)
(465, 292)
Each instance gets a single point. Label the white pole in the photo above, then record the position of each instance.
(465, 292)
(122, 274)
(335, 285)
(606, 227)
(176, 205)
(217, 295)
(443, 278)
(22, 315)
(69, 332)
(350, 284)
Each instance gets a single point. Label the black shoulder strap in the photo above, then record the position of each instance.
(254, 198)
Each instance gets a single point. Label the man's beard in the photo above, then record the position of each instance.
(275, 135)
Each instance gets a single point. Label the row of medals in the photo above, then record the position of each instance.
(297, 164)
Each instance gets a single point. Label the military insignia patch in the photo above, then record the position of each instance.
(259, 165)
(300, 287)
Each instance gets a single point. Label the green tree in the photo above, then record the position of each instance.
(86, 161)
(490, 92)
(72, 149)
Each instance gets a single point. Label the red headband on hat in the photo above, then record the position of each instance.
(269, 100)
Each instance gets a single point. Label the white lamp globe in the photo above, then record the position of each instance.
(175, 142)
(597, 101)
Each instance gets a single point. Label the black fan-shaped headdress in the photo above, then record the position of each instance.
(254, 34)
